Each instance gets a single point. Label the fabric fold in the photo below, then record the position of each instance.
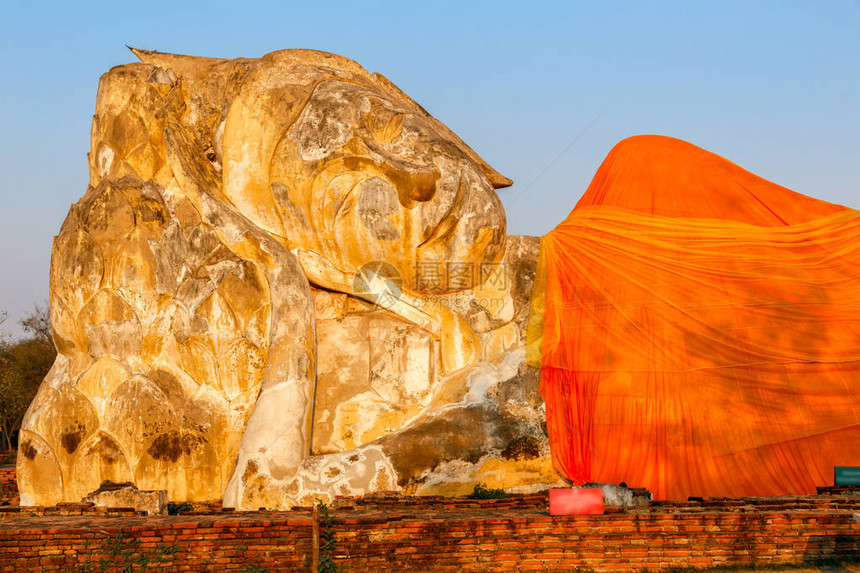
(699, 355)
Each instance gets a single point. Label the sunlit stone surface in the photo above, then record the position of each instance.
(285, 281)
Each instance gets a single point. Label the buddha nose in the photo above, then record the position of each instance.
(413, 182)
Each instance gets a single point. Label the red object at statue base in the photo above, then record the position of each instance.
(576, 501)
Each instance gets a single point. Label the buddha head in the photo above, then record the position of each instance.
(332, 159)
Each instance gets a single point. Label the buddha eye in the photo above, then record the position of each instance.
(384, 124)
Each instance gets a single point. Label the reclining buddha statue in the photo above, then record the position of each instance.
(287, 281)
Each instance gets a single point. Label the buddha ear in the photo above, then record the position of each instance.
(189, 151)
(268, 102)
(195, 174)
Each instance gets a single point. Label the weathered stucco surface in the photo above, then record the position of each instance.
(285, 281)
(115, 495)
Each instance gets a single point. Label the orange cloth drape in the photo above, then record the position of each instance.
(698, 329)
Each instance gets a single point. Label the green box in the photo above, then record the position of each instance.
(846, 475)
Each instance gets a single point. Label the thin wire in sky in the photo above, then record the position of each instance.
(560, 155)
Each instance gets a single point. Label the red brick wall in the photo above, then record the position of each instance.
(8, 484)
(435, 534)
(203, 543)
(619, 541)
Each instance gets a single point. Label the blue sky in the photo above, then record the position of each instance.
(772, 86)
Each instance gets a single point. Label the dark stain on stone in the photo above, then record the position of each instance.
(197, 416)
(250, 470)
(458, 434)
(170, 385)
(28, 450)
(71, 439)
(523, 387)
(166, 447)
(522, 448)
(521, 256)
(109, 451)
(173, 445)
(150, 211)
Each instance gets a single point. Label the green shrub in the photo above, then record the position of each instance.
(174, 508)
(328, 543)
(483, 492)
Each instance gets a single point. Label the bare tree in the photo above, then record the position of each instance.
(38, 323)
(15, 397)
(23, 365)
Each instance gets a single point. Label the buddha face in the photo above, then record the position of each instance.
(363, 176)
